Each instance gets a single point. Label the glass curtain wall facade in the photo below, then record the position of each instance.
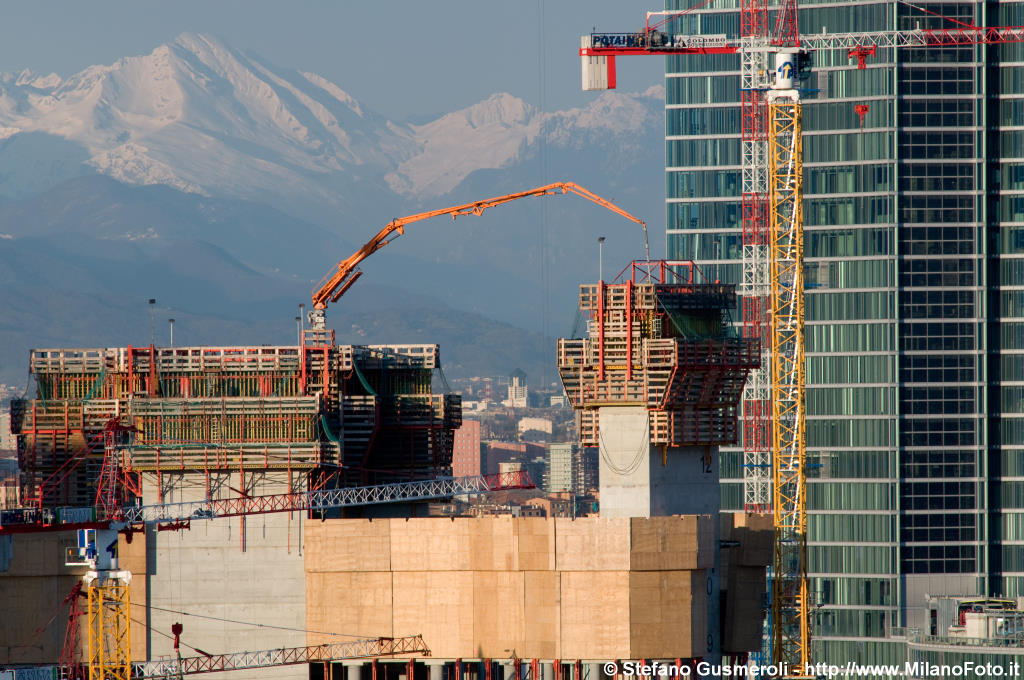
(914, 246)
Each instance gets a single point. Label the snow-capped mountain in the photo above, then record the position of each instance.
(201, 138)
(203, 117)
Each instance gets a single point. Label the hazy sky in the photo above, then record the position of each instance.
(398, 57)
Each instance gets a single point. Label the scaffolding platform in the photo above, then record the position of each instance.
(661, 341)
(317, 405)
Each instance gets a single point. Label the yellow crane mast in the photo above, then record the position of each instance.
(789, 596)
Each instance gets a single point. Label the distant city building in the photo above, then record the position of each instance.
(502, 452)
(584, 469)
(558, 400)
(517, 393)
(510, 467)
(987, 632)
(560, 468)
(539, 424)
(537, 468)
(7, 441)
(467, 458)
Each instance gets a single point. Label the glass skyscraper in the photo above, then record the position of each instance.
(914, 233)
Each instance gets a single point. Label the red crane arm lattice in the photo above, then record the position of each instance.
(371, 648)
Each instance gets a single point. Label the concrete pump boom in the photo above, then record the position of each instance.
(337, 282)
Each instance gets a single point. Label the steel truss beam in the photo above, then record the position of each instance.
(370, 648)
(324, 499)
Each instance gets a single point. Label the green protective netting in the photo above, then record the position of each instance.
(362, 379)
(279, 390)
(689, 326)
(444, 380)
(578, 325)
(97, 385)
(327, 430)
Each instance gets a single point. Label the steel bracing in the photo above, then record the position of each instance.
(791, 632)
(370, 648)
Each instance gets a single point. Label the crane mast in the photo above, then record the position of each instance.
(789, 589)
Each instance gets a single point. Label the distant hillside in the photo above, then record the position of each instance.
(225, 186)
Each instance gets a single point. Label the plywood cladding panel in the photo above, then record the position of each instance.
(590, 588)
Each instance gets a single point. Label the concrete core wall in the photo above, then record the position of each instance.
(639, 479)
(228, 570)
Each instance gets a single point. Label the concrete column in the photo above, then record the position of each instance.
(436, 669)
(353, 670)
(508, 669)
(593, 671)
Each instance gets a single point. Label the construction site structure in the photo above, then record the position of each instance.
(657, 382)
(658, 377)
(367, 411)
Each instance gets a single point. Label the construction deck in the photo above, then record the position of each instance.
(659, 340)
(365, 412)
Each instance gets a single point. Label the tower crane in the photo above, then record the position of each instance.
(773, 64)
(337, 282)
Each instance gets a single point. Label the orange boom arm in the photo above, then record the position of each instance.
(337, 282)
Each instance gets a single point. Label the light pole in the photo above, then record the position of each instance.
(302, 320)
(298, 329)
(152, 321)
(600, 258)
(171, 321)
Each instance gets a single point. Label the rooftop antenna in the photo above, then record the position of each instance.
(171, 321)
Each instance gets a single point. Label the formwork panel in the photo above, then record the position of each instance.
(600, 544)
(667, 611)
(535, 544)
(423, 544)
(494, 544)
(440, 606)
(349, 545)
(499, 614)
(368, 603)
(683, 542)
(219, 433)
(595, 614)
(542, 637)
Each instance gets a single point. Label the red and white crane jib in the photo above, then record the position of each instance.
(598, 50)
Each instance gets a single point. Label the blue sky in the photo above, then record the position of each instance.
(398, 57)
